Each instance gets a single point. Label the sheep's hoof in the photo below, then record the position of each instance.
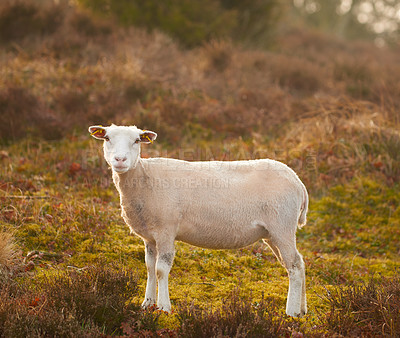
(296, 314)
(165, 307)
(147, 303)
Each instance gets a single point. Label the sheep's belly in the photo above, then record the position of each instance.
(229, 237)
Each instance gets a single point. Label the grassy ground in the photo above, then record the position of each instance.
(329, 110)
(69, 214)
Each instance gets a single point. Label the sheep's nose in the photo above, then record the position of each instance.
(120, 159)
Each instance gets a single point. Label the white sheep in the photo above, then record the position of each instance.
(210, 204)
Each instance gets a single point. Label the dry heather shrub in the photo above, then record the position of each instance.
(26, 313)
(84, 23)
(297, 73)
(22, 113)
(218, 55)
(73, 104)
(139, 90)
(351, 69)
(25, 321)
(233, 120)
(17, 107)
(89, 303)
(272, 106)
(98, 295)
(357, 76)
(307, 40)
(238, 317)
(55, 28)
(364, 310)
(20, 19)
(82, 36)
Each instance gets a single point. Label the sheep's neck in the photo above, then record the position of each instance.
(134, 179)
(131, 186)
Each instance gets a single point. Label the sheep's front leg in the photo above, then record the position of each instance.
(151, 287)
(165, 258)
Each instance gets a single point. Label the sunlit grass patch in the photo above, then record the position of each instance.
(359, 218)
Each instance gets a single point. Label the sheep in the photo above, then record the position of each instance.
(209, 204)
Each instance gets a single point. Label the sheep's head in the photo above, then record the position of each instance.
(122, 144)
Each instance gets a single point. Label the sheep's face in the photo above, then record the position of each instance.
(122, 145)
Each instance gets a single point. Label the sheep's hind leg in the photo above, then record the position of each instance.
(287, 254)
(151, 286)
(165, 259)
(296, 303)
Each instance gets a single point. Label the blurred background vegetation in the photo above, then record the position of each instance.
(194, 22)
(254, 21)
(268, 54)
(246, 73)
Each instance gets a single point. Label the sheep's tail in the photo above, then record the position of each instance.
(304, 208)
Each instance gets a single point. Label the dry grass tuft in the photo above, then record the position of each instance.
(8, 250)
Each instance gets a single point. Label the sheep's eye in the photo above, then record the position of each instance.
(107, 138)
(137, 141)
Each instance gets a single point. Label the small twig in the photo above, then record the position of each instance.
(42, 255)
(203, 283)
(76, 268)
(42, 306)
(19, 49)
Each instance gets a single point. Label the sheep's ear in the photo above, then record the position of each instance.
(98, 132)
(148, 136)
